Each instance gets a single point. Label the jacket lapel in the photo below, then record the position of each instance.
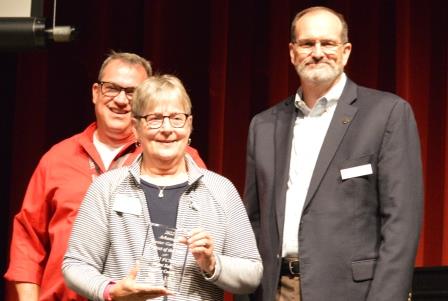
(284, 124)
(339, 125)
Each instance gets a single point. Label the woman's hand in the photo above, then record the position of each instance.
(128, 289)
(200, 243)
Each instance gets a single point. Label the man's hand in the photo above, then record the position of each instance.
(27, 291)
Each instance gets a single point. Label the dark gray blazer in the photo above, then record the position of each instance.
(358, 236)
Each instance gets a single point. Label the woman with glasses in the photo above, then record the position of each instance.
(163, 227)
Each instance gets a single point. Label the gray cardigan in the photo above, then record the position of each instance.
(109, 233)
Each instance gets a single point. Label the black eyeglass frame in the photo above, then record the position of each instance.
(162, 119)
(128, 91)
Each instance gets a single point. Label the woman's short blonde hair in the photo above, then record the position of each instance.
(156, 89)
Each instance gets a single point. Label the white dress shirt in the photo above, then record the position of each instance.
(310, 129)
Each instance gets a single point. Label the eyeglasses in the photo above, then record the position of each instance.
(327, 46)
(155, 121)
(113, 90)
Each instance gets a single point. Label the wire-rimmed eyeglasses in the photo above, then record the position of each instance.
(155, 120)
(327, 46)
(110, 89)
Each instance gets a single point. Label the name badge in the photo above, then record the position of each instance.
(126, 204)
(357, 171)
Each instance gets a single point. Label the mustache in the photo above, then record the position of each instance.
(313, 60)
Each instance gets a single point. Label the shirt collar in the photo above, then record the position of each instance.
(193, 170)
(325, 102)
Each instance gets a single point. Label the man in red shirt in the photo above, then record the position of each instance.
(57, 186)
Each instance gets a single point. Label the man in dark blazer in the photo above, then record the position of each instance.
(334, 179)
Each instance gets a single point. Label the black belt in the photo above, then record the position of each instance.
(290, 267)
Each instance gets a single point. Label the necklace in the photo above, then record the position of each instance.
(161, 189)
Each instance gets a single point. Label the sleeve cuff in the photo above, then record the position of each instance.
(216, 273)
(106, 294)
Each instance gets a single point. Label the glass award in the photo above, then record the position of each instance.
(163, 258)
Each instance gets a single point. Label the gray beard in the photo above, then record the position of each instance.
(320, 76)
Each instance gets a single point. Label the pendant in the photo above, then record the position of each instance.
(161, 192)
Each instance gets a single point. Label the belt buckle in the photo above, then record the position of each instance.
(291, 268)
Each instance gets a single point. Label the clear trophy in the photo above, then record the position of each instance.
(163, 259)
